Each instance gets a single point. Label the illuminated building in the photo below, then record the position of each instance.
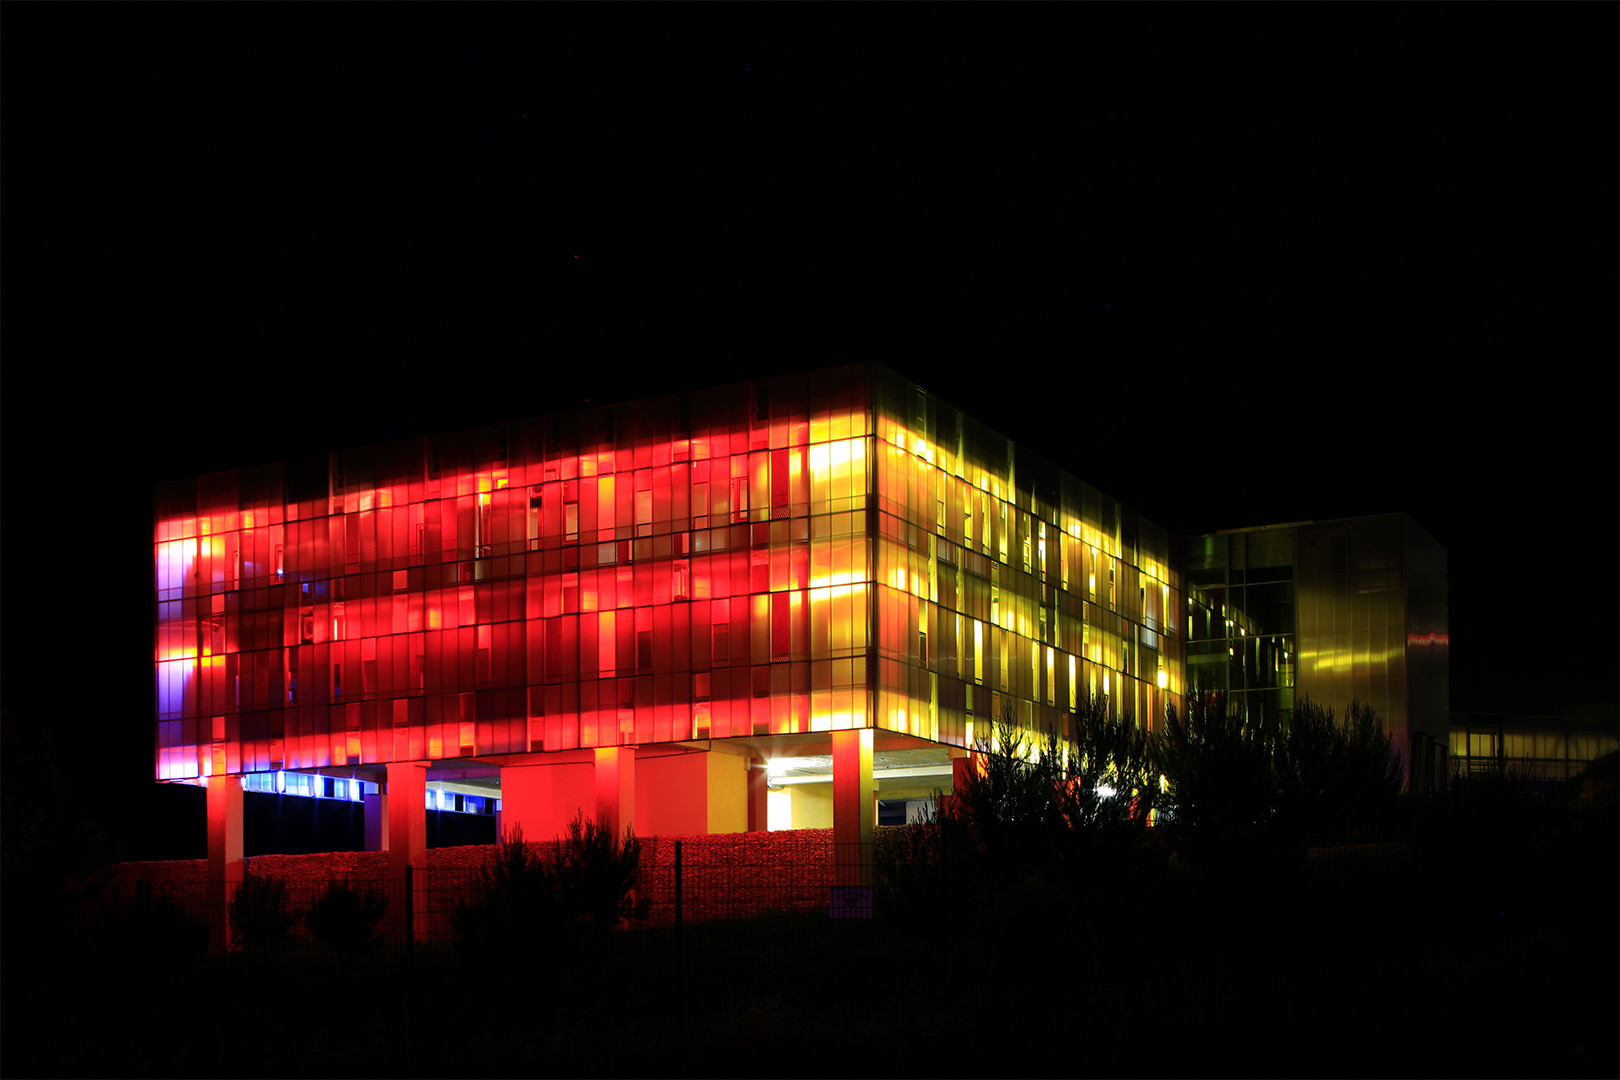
(657, 611)
(1540, 752)
(1353, 609)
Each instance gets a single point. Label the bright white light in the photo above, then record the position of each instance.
(1105, 791)
(778, 810)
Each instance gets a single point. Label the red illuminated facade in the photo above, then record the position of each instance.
(647, 608)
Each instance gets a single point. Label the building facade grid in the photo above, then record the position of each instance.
(840, 550)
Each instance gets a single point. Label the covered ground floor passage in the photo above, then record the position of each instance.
(842, 780)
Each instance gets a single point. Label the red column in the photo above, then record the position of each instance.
(963, 769)
(224, 854)
(759, 793)
(407, 829)
(526, 802)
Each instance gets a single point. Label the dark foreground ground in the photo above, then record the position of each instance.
(1484, 958)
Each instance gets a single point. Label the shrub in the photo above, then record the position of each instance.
(1008, 805)
(926, 871)
(596, 876)
(153, 934)
(259, 912)
(1036, 816)
(1113, 768)
(1596, 781)
(1223, 789)
(511, 907)
(345, 917)
(1335, 777)
(525, 902)
(1110, 788)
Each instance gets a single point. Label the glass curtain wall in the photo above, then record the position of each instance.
(791, 555)
(1241, 619)
(691, 567)
(1005, 584)
(1346, 610)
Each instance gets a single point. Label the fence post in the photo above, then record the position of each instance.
(680, 944)
(410, 912)
(410, 942)
(680, 959)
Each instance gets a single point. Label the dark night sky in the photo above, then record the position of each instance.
(1233, 265)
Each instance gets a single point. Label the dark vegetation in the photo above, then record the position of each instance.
(532, 902)
(261, 913)
(1274, 905)
(1228, 798)
(344, 918)
(149, 933)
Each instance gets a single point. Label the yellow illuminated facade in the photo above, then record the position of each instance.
(1004, 584)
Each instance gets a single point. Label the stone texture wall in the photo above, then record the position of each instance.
(724, 876)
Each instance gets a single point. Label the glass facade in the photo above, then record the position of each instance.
(1241, 596)
(777, 558)
(1342, 610)
(1003, 581)
(1541, 751)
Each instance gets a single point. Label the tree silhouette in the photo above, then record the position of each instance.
(1336, 776)
(1222, 787)
(529, 900)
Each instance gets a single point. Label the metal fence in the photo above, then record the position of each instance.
(684, 887)
(751, 893)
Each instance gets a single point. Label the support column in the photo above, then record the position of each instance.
(526, 802)
(377, 820)
(963, 771)
(407, 830)
(852, 807)
(616, 788)
(759, 794)
(224, 855)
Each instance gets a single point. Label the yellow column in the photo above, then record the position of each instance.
(616, 788)
(852, 806)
